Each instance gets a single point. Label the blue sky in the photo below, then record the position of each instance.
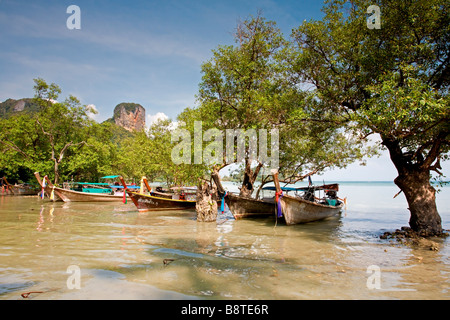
(147, 52)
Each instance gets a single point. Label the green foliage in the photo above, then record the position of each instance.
(392, 81)
(413, 113)
(252, 85)
(97, 158)
(240, 86)
(47, 140)
(22, 146)
(149, 154)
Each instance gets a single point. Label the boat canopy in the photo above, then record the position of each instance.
(282, 188)
(121, 187)
(92, 183)
(334, 187)
(184, 188)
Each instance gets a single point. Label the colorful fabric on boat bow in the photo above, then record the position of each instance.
(43, 187)
(124, 200)
(222, 203)
(278, 196)
(141, 190)
(52, 194)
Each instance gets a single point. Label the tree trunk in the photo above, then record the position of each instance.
(249, 179)
(414, 180)
(216, 178)
(421, 199)
(206, 205)
(56, 172)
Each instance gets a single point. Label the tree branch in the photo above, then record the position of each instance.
(434, 152)
(13, 146)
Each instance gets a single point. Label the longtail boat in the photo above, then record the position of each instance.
(148, 202)
(243, 207)
(22, 189)
(305, 209)
(68, 195)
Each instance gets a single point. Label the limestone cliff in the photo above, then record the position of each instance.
(130, 116)
(11, 106)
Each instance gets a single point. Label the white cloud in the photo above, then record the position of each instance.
(52, 100)
(92, 111)
(151, 118)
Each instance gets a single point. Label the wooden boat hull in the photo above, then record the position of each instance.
(242, 207)
(18, 191)
(161, 194)
(77, 196)
(296, 210)
(25, 192)
(145, 202)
